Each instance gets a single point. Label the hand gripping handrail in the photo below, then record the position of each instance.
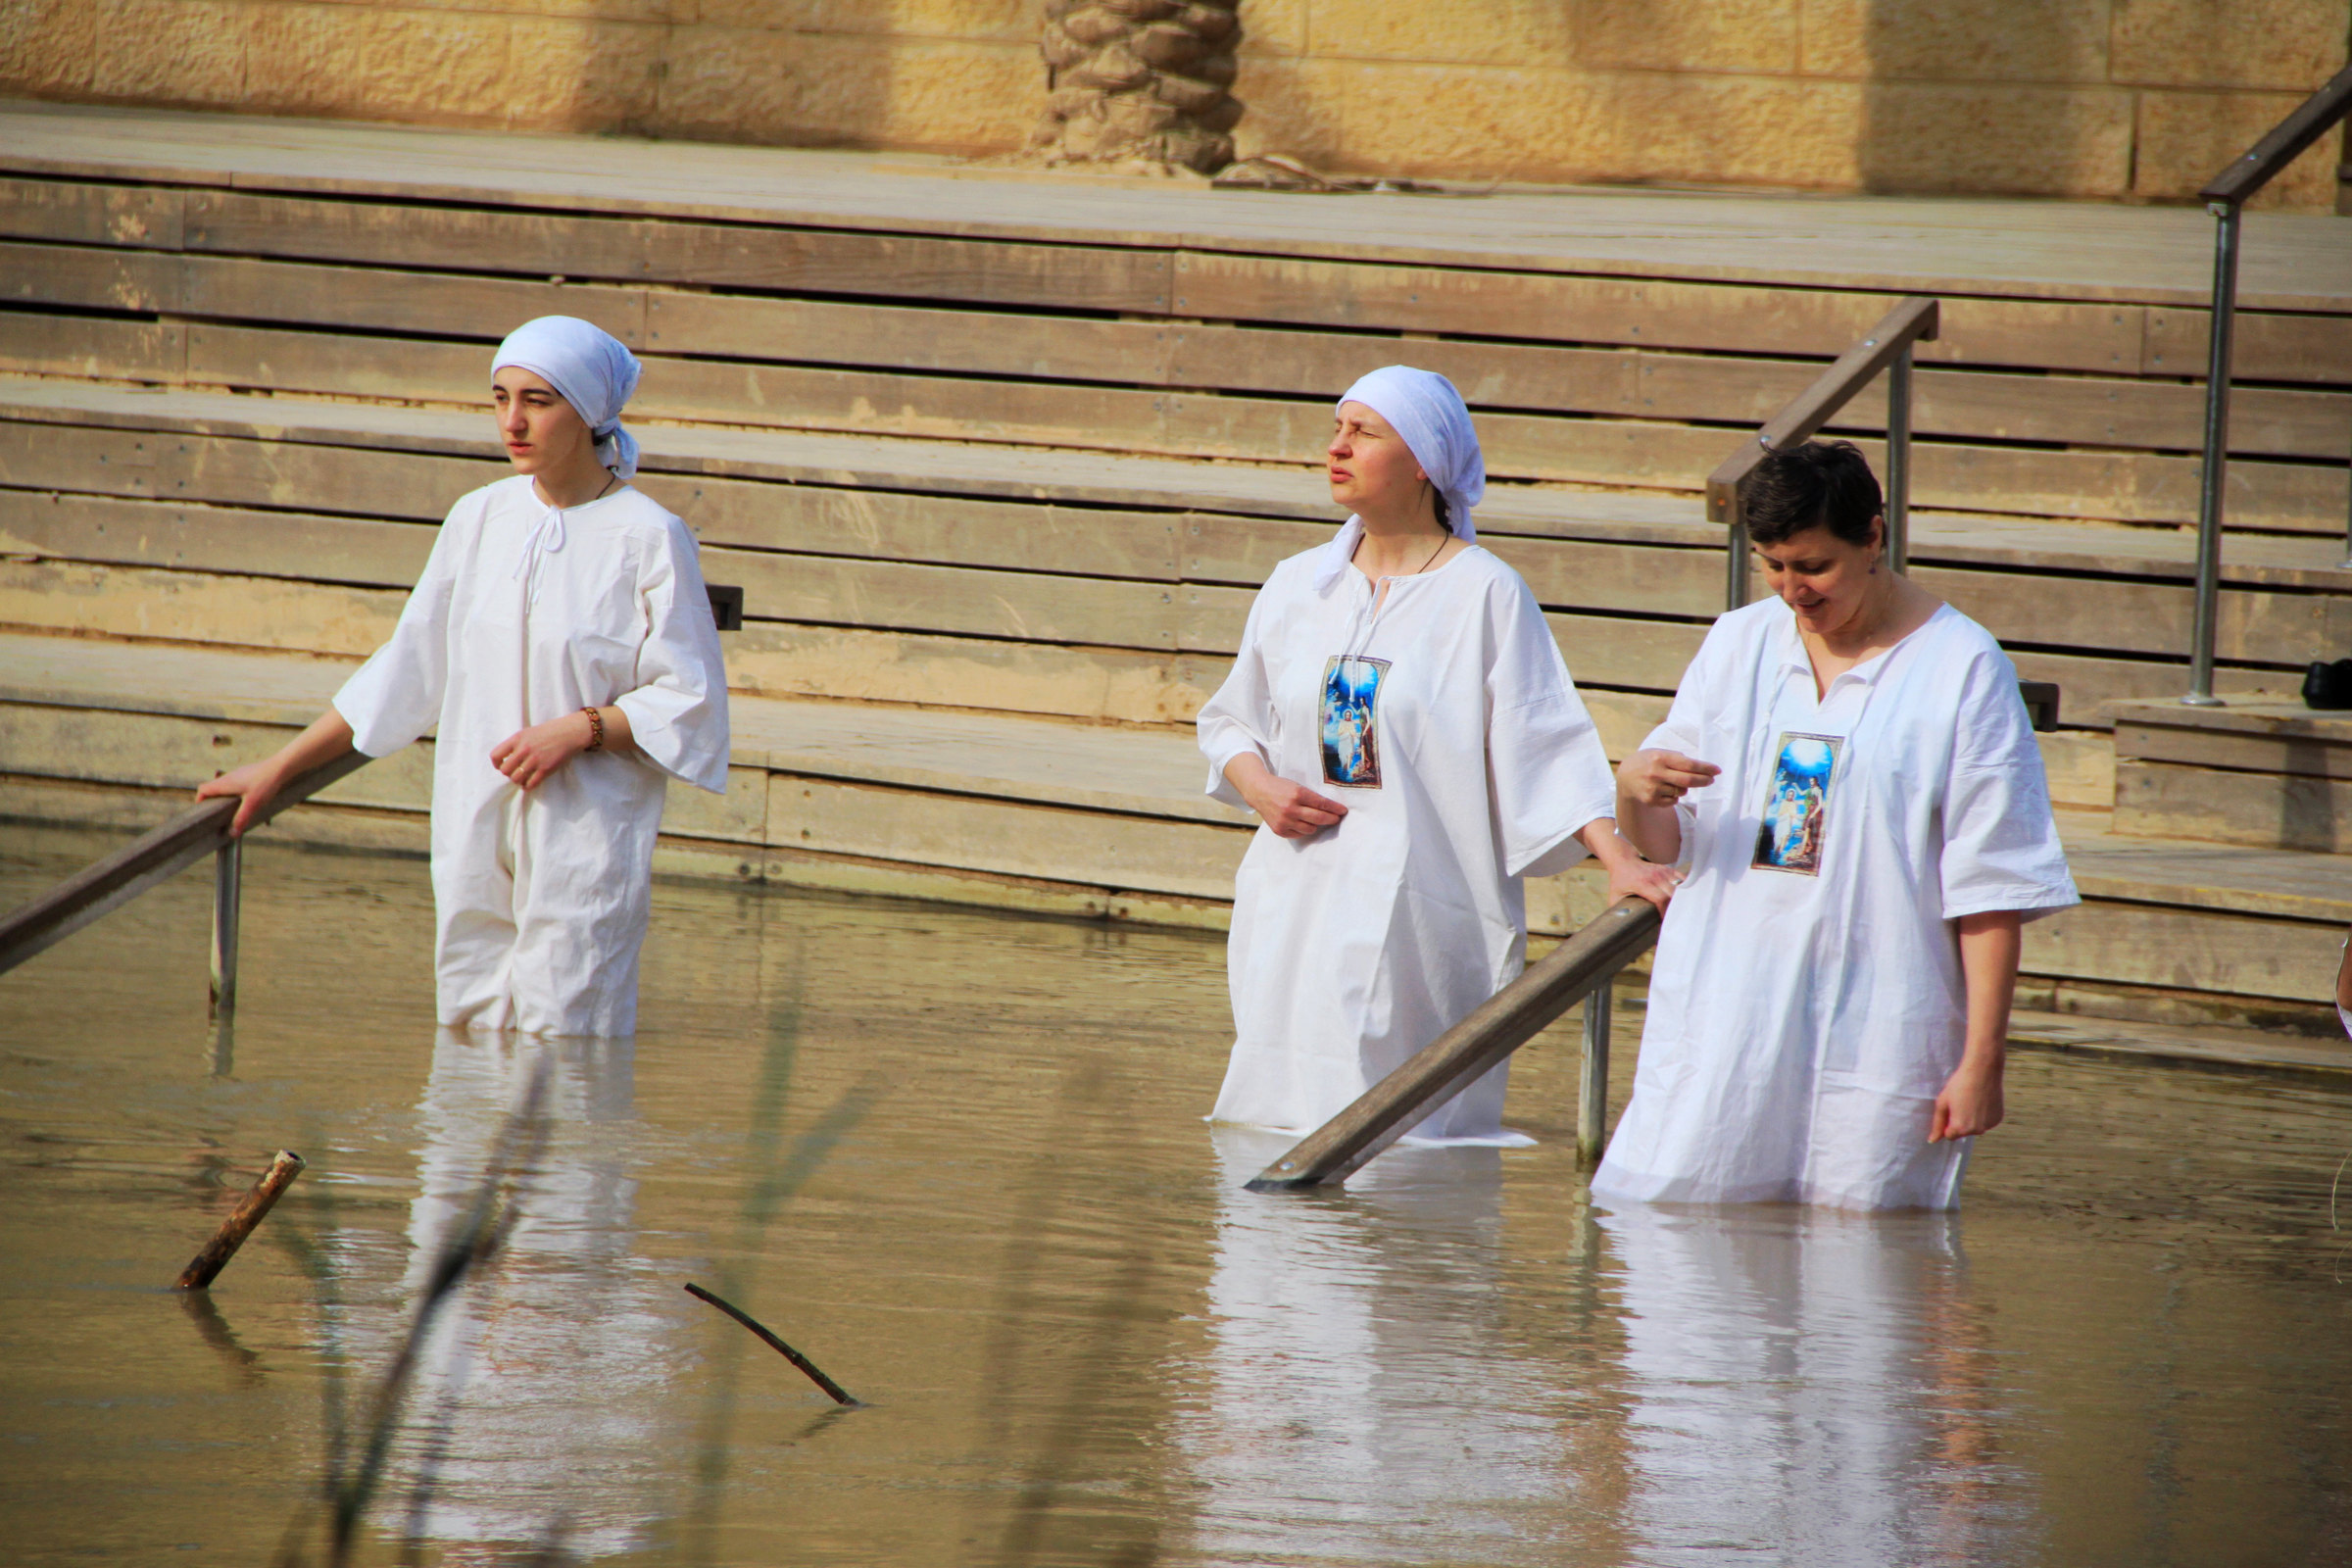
(1885, 347)
(1578, 968)
(171, 849)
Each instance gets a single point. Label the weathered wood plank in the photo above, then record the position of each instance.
(2101, 410)
(1724, 318)
(342, 550)
(2187, 949)
(444, 305)
(33, 344)
(2279, 750)
(2270, 811)
(1009, 838)
(947, 530)
(165, 465)
(779, 658)
(90, 215)
(196, 608)
(2141, 617)
(1030, 606)
(2266, 346)
(88, 278)
(707, 255)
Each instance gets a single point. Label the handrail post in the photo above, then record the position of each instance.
(1898, 460)
(1592, 1084)
(1731, 507)
(228, 881)
(2227, 214)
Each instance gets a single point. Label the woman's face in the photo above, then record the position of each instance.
(1823, 579)
(543, 433)
(1372, 471)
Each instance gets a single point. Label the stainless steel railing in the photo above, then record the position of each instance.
(2225, 197)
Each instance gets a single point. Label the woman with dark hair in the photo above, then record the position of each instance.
(1850, 779)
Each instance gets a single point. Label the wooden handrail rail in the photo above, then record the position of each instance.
(1456, 1058)
(131, 870)
(1917, 319)
(2285, 142)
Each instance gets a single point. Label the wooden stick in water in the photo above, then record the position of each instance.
(208, 1264)
(778, 1346)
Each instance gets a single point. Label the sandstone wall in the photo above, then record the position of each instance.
(2121, 99)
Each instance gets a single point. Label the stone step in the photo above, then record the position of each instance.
(1083, 819)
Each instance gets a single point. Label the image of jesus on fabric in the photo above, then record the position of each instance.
(1793, 810)
(1350, 722)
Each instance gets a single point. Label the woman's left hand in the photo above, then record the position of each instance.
(528, 756)
(1643, 879)
(1970, 1103)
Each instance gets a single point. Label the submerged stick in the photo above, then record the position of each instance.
(778, 1346)
(206, 1265)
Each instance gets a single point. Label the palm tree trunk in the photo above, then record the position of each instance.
(1140, 81)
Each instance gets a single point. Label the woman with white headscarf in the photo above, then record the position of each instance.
(562, 641)
(1401, 721)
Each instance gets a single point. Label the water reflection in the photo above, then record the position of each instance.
(1362, 1405)
(541, 1407)
(1808, 1387)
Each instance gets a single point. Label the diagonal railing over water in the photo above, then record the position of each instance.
(156, 858)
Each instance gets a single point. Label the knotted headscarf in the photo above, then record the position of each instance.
(590, 368)
(1424, 408)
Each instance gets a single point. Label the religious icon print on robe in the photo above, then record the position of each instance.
(1350, 724)
(1796, 806)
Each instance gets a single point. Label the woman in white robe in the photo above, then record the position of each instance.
(1828, 1016)
(1402, 723)
(561, 641)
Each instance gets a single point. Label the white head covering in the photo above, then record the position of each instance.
(1424, 409)
(593, 371)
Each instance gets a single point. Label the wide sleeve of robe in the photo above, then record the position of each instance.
(678, 711)
(1693, 717)
(396, 696)
(1239, 718)
(2001, 840)
(1545, 767)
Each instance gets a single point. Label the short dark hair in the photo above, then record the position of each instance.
(1828, 483)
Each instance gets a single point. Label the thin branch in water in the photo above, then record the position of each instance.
(839, 1395)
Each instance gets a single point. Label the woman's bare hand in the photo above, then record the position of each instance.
(1643, 879)
(1292, 810)
(530, 756)
(254, 786)
(1970, 1102)
(1661, 777)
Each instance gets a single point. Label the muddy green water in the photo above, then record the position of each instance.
(958, 1158)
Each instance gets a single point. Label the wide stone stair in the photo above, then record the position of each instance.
(998, 463)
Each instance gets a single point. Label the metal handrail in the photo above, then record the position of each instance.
(1579, 969)
(154, 858)
(1886, 347)
(2225, 197)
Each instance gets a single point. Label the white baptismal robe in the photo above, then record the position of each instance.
(1356, 947)
(1801, 1024)
(524, 614)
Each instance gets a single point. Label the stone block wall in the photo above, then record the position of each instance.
(2114, 99)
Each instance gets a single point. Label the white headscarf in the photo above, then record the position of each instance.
(1429, 414)
(592, 371)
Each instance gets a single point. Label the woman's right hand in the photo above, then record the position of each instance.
(1661, 778)
(1292, 810)
(255, 785)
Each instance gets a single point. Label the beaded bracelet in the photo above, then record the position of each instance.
(596, 729)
